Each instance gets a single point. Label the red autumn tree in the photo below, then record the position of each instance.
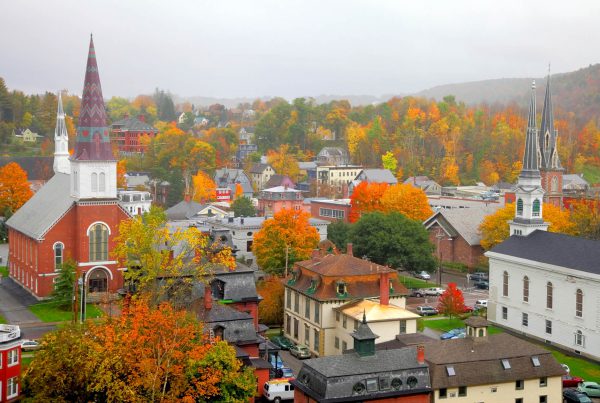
(14, 188)
(366, 198)
(451, 302)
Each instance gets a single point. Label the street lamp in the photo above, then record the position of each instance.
(440, 234)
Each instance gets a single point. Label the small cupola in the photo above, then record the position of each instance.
(477, 326)
(364, 339)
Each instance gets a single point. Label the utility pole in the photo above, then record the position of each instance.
(287, 252)
(439, 235)
(82, 297)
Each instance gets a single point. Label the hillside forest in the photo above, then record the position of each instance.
(447, 140)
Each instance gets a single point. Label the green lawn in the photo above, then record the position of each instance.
(26, 360)
(49, 312)
(446, 324)
(4, 271)
(411, 282)
(591, 174)
(2, 319)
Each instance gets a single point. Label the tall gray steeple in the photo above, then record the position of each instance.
(530, 158)
(61, 141)
(529, 192)
(548, 136)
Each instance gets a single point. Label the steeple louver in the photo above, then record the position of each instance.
(530, 158)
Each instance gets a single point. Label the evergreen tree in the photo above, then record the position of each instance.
(243, 207)
(63, 288)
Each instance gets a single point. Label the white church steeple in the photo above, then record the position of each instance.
(529, 193)
(61, 142)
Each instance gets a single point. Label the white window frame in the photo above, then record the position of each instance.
(12, 385)
(12, 357)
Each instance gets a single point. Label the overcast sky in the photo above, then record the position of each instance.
(252, 48)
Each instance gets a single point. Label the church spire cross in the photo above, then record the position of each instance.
(530, 158)
(93, 139)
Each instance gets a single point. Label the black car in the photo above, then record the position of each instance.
(573, 395)
(482, 285)
(478, 276)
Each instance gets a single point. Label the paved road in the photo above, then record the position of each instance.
(14, 301)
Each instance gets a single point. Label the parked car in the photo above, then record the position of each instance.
(282, 342)
(434, 291)
(482, 285)
(425, 310)
(477, 276)
(300, 351)
(282, 372)
(277, 390)
(458, 333)
(468, 309)
(417, 292)
(592, 389)
(481, 304)
(30, 345)
(569, 381)
(424, 275)
(575, 396)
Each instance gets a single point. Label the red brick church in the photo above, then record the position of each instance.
(76, 214)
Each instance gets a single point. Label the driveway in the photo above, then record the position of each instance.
(14, 301)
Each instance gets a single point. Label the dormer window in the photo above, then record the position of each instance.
(218, 289)
(341, 289)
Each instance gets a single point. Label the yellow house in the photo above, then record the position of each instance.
(28, 136)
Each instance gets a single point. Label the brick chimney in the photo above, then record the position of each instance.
(207, 297)
(349, 249)
(421, 354)
(187, 198)
(142, 117)
(384, 288)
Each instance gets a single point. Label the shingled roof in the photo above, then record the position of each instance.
(552, 248)
(134, 125)
(478, 361)
(463, 221)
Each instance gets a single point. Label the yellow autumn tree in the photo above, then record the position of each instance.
(356, 135)
(449, 171)
(495, 228)
(407, 200)
(283, 162)
(205, 189)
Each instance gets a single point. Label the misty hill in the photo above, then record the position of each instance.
(577, 91)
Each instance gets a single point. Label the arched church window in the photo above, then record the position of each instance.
(505, 284)
(58, 255)
(579, 338)
(554, 184)
(579, 303)
(549, 295)
(536, 208)
(99, 243)
(94, 182)
(520, 207)
(102, 184)
(525, 289)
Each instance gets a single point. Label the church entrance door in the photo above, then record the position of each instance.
(98, 280)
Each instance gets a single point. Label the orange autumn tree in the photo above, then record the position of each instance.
(495, 228)
(270, 310)
(121, 171)
(366, 198)
(287, 230)
(14, 188)
(147, 354)
(408, 200)
(205, 189)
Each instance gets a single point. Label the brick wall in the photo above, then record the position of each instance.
(456, 250)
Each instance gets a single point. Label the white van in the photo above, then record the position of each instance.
(481, 304)
(277, 390)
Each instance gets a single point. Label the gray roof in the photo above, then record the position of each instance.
(228, 177)
(44, 209)
(333, 378)
(258, 168)
(463, 221)
(377, 176)
(238, 326)
(307, 165)
(239, 284)
(574, 181)
(134, 180)
(555, 249)
(478, 361)
(134, 124)
(183, 210)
